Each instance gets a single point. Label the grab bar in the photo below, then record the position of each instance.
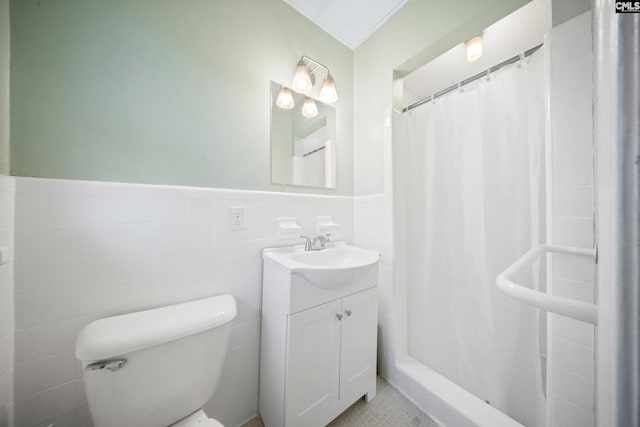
(560, 305)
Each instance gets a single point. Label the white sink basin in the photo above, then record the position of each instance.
(336, 266)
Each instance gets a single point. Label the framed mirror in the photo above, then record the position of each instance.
(302, 148)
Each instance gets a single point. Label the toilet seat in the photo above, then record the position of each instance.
(197, 419)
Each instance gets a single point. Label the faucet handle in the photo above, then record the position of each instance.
(322, 238)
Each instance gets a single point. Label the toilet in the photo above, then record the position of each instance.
(158, 367)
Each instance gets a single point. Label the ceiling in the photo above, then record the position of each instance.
(349, 21)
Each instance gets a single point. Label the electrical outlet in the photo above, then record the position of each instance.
(236, 218)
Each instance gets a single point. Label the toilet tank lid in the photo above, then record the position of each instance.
(119, 335)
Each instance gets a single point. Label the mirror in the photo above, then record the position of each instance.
(302, 148)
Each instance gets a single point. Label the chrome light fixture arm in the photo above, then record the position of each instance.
(309, 62)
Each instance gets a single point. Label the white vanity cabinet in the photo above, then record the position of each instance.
(331, 352)
(318, 347)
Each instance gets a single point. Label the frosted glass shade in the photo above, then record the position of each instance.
(474, 49)
(309, 108)
(285, 99)
(328, 93)
(302, 79)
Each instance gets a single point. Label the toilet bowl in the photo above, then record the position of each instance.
(157, 367)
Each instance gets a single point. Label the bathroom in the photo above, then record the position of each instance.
(137, 171)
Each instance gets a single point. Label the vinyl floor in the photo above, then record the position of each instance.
(389, 409)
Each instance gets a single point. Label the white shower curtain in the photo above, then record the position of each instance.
(473, 163)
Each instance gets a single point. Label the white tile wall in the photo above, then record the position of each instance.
(571, 343)
(373, 229)
(86, 250)
(7, 196)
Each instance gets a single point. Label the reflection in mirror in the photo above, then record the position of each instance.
(302, 148)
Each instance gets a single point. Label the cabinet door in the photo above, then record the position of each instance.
(359, 338)
(313, 366)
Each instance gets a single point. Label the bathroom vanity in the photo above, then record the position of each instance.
(319, 332)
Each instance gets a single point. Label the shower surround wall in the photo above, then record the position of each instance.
(87, 250)
(571, 342)
(7, 197)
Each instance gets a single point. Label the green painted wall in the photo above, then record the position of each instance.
(416, 34)
(4, 87)
(161, 91)
(564, 10)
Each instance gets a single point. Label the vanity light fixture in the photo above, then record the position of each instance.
(285, 99)
(304, 79)
(309, 109)
(474, 48)
(328, 93)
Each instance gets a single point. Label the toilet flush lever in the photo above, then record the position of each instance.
(112, 365)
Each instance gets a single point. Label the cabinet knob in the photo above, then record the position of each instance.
(348, 312)
(339, 316)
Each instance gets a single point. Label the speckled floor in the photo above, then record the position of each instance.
(388, 409)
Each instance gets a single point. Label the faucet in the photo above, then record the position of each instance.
(308, 246)
(311, 244)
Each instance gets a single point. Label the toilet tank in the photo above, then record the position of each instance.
(152, 368)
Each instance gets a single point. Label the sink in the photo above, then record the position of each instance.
(336, 266)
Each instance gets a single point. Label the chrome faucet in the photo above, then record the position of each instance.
(308, 246)
(311, 244)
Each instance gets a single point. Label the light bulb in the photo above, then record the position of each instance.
(302, 78)
(309, 108)
(328, 93)
(285, 99)
(474, 48)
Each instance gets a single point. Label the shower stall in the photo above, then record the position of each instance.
(473, 178)
(478, 182)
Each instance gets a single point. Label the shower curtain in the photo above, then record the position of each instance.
(473, 165)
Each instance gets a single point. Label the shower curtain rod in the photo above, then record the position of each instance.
(473, 78)
(313, 151)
